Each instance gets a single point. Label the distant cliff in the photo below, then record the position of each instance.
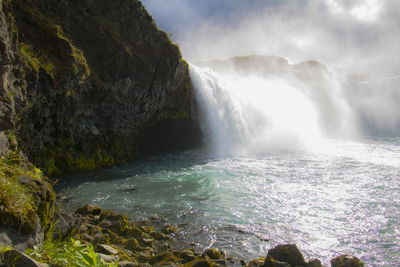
(88, 84)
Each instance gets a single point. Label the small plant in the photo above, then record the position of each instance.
(68, 253)
(36, 60)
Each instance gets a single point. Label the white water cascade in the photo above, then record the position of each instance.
(250, 113)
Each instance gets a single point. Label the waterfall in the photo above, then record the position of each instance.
(250, 112)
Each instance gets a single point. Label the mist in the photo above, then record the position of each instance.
(357, 40)
(349, 36)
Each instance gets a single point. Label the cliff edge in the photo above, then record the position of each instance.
(90, 84)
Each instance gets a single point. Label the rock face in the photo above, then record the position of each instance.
(90, 84)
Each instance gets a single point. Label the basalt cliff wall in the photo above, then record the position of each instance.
(86, 84)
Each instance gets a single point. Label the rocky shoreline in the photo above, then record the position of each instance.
(121, 241)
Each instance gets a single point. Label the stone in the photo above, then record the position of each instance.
(201, 263)
(169, 229)
(346, 261)
(66, 223)
(143, 256)
(186, 255)
(163, 258)
(108, 258)
(23, 179)
(287, 253)
(127, 264)
(271, 262)
(19, 259)
(106, 249)
(132, 244)
(214, 254)
(256, 262)
(89, 209)
(159, 236)
(314, 263)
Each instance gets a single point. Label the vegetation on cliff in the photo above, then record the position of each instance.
(92, 84)
(26, 198)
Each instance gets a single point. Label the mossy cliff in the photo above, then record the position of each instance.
(90, 84)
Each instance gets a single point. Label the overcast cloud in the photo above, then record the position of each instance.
(360, 36)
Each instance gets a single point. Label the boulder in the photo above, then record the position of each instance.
(127, 264)
(89, 209)
(287, 253)
(108, 258)
(105, 249)
(256, 262)
(214, 254)
(346, 261)
(314, 263)
(271, 262)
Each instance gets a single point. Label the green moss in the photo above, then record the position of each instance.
(79, 65)
(51, 167)
(36, 60)
(25, 196)
(85, 163)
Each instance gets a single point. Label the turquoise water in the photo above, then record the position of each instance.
(342, 198)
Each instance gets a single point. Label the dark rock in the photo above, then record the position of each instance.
(127, 264)
(220, 262)
(91, 85)
(314, 263)
(105, 249)
(132, 244)
(169, 229)
(201, 263)
(159, 236)
(13, 238)
(108, 258)
(66, 223)
(214, 254)
(19, 259)
(271, 262)
(89, 209)
(287, 253)
(186, 255)
(346, 261)
(256, 262)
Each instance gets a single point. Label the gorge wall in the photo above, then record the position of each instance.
(90, 84)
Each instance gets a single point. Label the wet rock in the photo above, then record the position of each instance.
(132, 244)
(159, 236)
(143, 256)
(346, 261)
(214, 254)
(220, 263)
(287, 253)
(164, 258)
(201, 263)
(186, 255)
(89, 209)
(314, 263)
(169, 229)
(105, 249)
(128, 264)
(271, 262)
(256, 262)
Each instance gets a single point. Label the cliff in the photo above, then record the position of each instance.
(90, 84)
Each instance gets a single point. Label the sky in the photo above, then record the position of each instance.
(349, 36)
